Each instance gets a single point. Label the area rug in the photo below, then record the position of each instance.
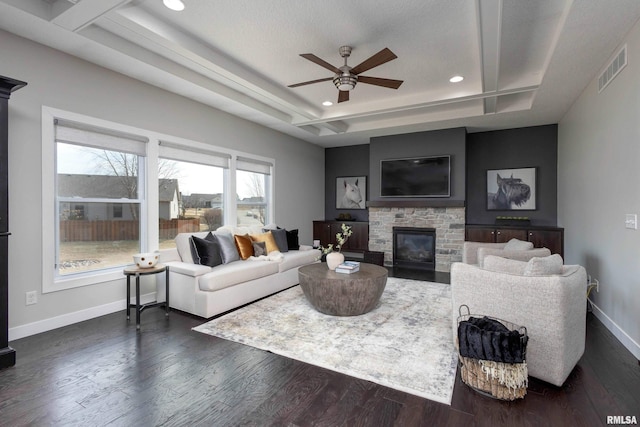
(405, 343)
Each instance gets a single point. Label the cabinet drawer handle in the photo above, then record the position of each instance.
(498, 233)
(530, 234)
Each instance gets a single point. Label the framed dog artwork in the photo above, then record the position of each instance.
(351, 192)
(511, 189)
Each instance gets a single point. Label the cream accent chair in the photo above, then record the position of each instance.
(551, 307)
(475, 252)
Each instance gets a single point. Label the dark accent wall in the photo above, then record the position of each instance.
(507, 149)
(433, 143)
(344, 162)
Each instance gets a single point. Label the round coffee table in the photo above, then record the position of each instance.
(340, 294)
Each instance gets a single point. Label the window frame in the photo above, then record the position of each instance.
(149, 218)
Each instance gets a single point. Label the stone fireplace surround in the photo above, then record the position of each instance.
(449, 222)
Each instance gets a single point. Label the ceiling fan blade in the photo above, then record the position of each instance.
(343, 96)
(385, 55)
(390, 83)
(321, 62)
(311, 82)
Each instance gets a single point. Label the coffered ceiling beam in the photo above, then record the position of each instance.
(85, 13)
(489, 18)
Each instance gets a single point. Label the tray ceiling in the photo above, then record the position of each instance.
(524, 62)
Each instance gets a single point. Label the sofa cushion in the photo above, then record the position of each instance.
(228, 248)
(259, 248)
(280, 236)
(295, 259)
(544, 266)
(236, 272)
(183, 245)
(292, 240)
(206, 251)
(244, 246)
(504, 265)
(518, 245)
(268, 239)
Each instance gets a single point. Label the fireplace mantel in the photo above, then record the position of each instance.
(431, 203)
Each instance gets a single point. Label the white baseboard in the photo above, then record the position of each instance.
(617, 331)
(75, 317)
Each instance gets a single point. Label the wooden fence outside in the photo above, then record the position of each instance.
(104, 231)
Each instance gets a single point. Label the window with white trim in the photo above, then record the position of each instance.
(253, 186)
(99, 190)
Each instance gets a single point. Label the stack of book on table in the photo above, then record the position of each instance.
(348, 267)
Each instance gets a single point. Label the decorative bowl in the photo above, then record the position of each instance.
(146, 260)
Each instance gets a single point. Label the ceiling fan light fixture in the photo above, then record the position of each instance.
(176, 5)
(345, 81)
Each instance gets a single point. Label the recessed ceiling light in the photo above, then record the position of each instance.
(456, 79)
(174, 4)
(327, 103)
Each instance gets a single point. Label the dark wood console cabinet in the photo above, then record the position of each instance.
(541, 237)
(326, 231)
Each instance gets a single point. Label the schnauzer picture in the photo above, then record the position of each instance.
(511, 189)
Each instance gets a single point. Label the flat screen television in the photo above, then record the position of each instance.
(416, 177)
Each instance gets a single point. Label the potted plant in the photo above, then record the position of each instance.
(334, 255)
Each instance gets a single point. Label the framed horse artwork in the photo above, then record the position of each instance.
(351, 192)
(511, 189)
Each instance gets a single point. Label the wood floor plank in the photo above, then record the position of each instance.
(104, 372)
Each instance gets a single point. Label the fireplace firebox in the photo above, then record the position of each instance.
(414, 247)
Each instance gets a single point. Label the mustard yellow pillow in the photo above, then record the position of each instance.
(244, 245)
(268, 239)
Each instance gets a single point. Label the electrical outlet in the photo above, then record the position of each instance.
(32, 297)
(631, 221)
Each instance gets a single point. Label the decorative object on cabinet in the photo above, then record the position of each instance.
(325, 232)
(351, 192)
(511, 189)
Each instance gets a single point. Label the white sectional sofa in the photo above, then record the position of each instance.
(207, 291)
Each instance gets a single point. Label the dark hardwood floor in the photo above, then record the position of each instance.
(102, 372)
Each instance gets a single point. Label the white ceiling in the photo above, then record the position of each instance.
(524, 62)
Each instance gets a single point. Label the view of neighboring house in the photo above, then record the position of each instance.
(111, 187)
(202, 201)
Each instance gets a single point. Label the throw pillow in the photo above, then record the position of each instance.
(504, 265)
(292, 240)
(268, 239)
(205, 251)
(227, 247)
(243, 243)
(280, 236)
(259, 248)
(544, 266)
(518, 245)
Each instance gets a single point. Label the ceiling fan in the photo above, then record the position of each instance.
(346, 77)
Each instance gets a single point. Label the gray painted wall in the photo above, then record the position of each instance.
(440, 142)
(507, 149)
(344, 162)
(61, 81)
(598, 176)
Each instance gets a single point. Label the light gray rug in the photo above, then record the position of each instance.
(405, 343)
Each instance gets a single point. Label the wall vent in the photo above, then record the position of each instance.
(613, 69)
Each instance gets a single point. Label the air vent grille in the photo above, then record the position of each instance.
(613, 69)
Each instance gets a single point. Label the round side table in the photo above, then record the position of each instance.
(137, 272)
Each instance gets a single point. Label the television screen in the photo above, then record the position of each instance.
(416, 177)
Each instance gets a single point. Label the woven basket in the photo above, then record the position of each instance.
(505, 381)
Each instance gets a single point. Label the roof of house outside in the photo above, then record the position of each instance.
(110, 187)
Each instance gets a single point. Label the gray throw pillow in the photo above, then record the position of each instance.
(259, 248)
(205, 251)
(544, 266)
(504, 265)
(518, 245)
(228, 248)
(280, 236)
